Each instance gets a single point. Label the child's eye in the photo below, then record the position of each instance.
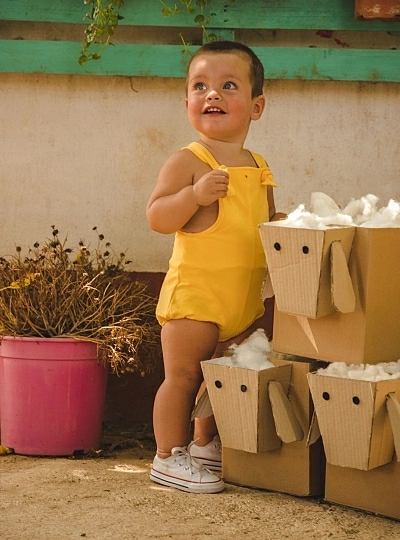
(199, 86)
(229, 85)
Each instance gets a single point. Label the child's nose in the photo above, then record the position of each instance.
(213, 94)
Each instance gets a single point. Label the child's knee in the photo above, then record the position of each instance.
(186, 380)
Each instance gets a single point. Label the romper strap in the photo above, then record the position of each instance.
(202, 153)
(267, 178)
(261, 163)
(205, 155)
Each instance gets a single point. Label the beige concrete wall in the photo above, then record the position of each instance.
(79, 152)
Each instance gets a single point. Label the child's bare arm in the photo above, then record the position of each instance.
(178, 194)
(273, 214)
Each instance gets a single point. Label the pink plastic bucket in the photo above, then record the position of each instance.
(52, 393)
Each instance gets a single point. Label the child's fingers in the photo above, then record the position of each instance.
(211, 187)
(218, 173)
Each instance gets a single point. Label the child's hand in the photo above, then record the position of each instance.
(211, 187)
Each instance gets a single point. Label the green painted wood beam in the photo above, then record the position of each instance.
(269, 14)
(59, 57)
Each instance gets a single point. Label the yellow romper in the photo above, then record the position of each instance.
(216, 275)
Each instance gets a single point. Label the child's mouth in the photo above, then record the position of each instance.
(214, 110)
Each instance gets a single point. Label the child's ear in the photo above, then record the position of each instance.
(258, 107)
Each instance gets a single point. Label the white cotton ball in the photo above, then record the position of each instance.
(362, 209)
(372, 373)
(353, 208)
(382, 370)
(364, 372)
(392, 368)
(251, 359)
(258, 340)
(369, 205)
(335, 369)
(324, 213)
(377, 222)
(362, 212)
(394, 208)
(253, 352)
(355, 373)
(338, 219)
(386, 217)
(310, 221)
(294, 217)
(341, 369)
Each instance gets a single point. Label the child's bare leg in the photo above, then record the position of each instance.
(205, 429)
(185, 344)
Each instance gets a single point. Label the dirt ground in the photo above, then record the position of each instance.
(108, 495)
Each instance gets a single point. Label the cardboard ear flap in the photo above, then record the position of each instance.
(267, 289)
(313, 433)
(343, 297)
(203, 408)
(287, 426)
(393, 407)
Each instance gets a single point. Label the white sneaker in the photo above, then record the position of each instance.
(183, 472)
(209, 455)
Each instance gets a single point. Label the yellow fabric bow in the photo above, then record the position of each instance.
(267, 178)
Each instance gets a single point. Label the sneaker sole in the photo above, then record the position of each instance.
(183, 485)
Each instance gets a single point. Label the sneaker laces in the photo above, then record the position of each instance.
(184, 459)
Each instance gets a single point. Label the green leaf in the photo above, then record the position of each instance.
(167, 11)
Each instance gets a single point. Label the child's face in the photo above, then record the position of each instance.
(219, 101)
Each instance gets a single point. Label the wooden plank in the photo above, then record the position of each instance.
(306, 63)
(67, 11)
(61, 57)
(270, 14)
(330, 64)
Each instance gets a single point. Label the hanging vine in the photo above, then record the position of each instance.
(104, 16)
(201, 18)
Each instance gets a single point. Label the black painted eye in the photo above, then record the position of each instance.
(326, 396)
(356, 400)
(218, 384)
(243, 388)
(277, 246)
(305, 249)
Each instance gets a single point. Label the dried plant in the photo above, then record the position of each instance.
(57, 291)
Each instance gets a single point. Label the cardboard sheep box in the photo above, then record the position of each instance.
(359, 420)
(308, 268)
(241, 403)
(371, 333)
(288, 465)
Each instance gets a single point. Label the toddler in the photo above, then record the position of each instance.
(212, 194)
